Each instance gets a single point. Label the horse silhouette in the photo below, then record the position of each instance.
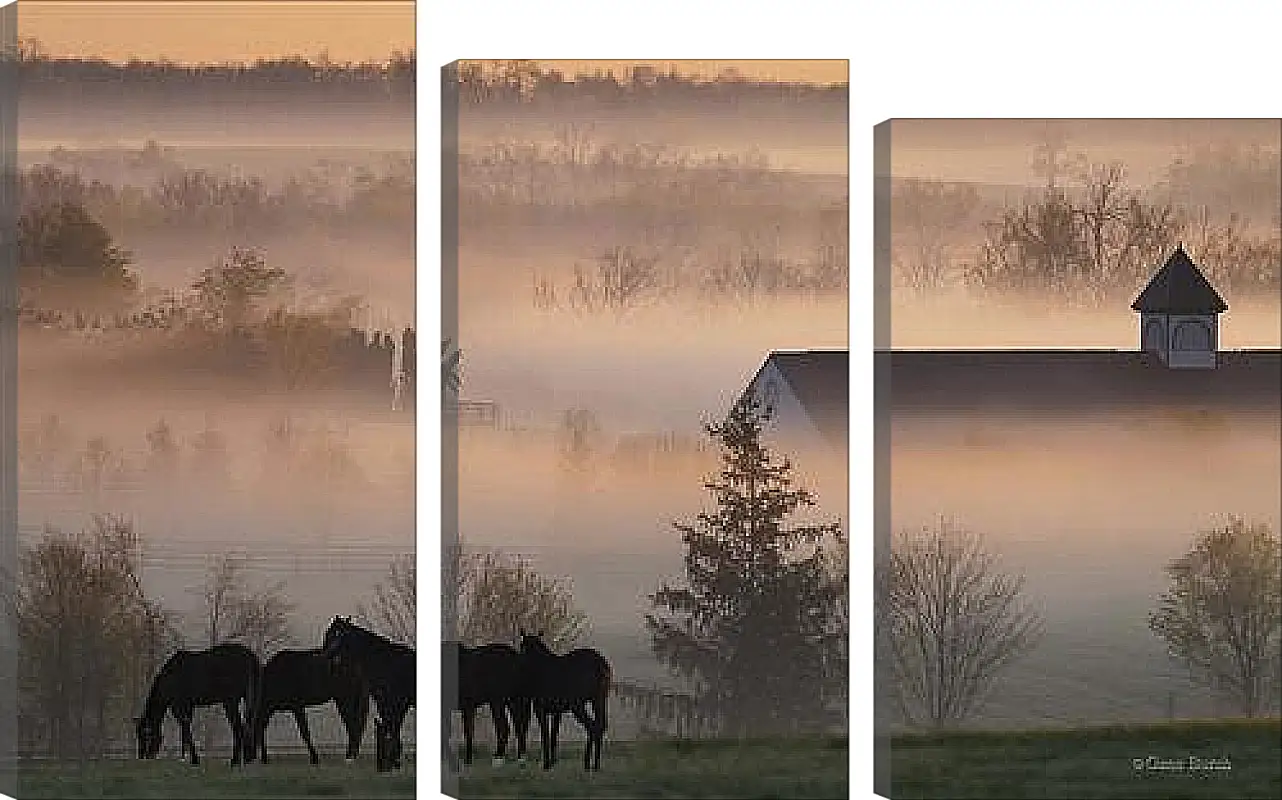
(226, 674)
(295, 679)
(560, 683)
(388, 669)
(489, 675)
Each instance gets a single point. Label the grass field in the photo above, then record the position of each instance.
(674, 769)
(1078, 764)
(286, 777)
(1091, 763)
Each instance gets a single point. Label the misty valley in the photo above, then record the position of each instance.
(215, 360)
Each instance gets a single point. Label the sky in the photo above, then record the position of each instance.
(232, 30)
(245, 30)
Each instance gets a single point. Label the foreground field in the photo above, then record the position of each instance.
(285, 777)
(1151, 761)
(674, 769)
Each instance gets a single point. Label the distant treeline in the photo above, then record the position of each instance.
(179, 197)
(643, 189)
(517, 81)
(36, 67)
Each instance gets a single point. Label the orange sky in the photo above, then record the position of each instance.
(219, 31)
(204, 31)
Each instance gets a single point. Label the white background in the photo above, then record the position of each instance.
(980, 58)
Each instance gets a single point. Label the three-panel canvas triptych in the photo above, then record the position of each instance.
(661, 573)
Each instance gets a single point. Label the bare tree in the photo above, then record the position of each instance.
(924, 216)
(234, 610)
(579, 437)
(1222, 615)
(99, 465)
(1102, 238)
(949, 622)
(499, 595)
(393, 608)
(622, 279)
(90, 640)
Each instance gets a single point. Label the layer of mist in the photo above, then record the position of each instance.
(1091, 511)
(640, 266)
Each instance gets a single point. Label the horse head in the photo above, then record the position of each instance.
(334, 634)
(533, 644)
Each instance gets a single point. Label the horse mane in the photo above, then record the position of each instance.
(371, 639)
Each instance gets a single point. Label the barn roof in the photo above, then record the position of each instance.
(820, 380)
(1179, 287)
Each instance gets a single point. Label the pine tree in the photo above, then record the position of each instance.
(758, 625)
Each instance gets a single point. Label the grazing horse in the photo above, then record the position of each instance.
(296, 679)
(489, 675)
(388, 669)
(225, 673)
(557, 684)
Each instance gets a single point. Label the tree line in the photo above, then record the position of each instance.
(623, 279)
(510, 81)
(50, 452)
(36, 65)
(1089, 235)
(578, 180)
(236, 317)
(183, 199)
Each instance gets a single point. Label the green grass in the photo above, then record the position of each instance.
(285, 777)
(672, 769)
(1087, 763)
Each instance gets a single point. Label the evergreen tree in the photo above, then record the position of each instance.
(758, 626)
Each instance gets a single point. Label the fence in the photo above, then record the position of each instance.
(478, 413)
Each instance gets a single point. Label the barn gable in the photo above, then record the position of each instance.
(808, 390)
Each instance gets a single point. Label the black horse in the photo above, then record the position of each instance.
(489, 675)
(225, 673)
(388, 669)
(296, 679)
(557, 684)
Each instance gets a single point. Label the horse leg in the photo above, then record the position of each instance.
(599, 722)
(300, 719)
(184, 726)
(360, 716)
(469, 723)
(451, 758)
(520, 711)
(260, 734)
(580, 712)
(401, 711)
(498, 713)
(556, 731)
(232, 709)
(544, 737)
